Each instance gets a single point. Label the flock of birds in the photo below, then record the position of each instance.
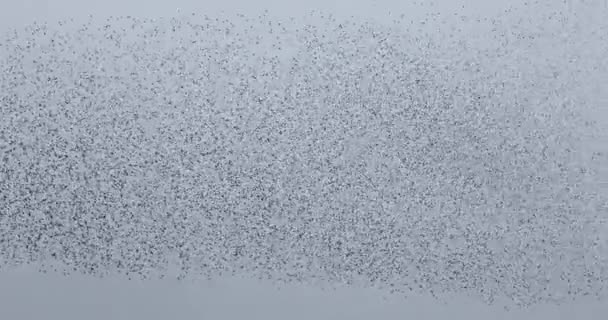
(324, 151)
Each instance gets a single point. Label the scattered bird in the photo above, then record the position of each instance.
(343, 150)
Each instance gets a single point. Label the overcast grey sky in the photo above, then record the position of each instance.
(27, 295)
(16, 13)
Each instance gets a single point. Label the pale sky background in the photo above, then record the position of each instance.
(19, 12)
(25, 294)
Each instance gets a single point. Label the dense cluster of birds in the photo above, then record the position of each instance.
(310, 149)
